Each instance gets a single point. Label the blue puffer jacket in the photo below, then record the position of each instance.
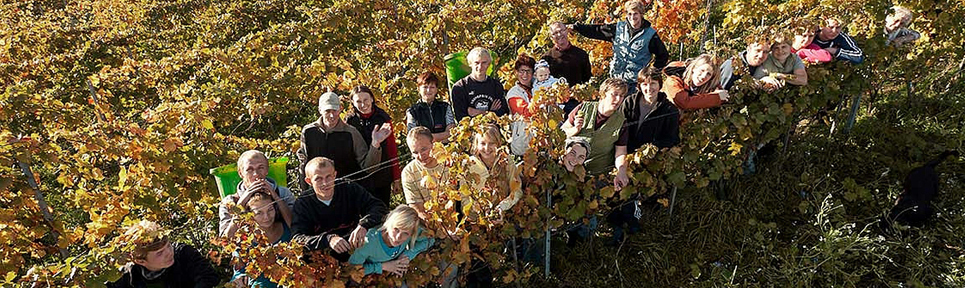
(630, 54)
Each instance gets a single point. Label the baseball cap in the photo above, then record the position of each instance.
(329, 101)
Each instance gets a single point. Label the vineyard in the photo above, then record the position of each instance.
(113, 112)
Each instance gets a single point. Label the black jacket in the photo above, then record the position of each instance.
(350, 206)
(432, 116)
(382, 176)
(190, 269)
(660, 127)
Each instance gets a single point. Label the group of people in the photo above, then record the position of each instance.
(348, 167)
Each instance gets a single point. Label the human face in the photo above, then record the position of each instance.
(479, 67)
(398, 236)
(158, 259)
(650, 90)
(611, 100)
(702, 74)
(525, 74)
(428, 92)
(264, 212)
(422, 151)
(780, 51)
(542, 74)
(322, 181)
(559, 34)
(830, 30)
(635, 19)
(575, 156)
(803, 40)
(362, 102)
(756, 54)
(485, 148)
(330, 118)
(892, 22)
(252, 170)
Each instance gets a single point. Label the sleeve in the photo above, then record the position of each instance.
(516, 186)
(501, 96)
(366, 155)
(727, 77)
(659, 51)
(604, 32)
(409, 121)
(371, 209)
(287, 196)
(360, 257)
(204, 274)
(572, 117)
(586, 67)
(302, 155)
(302, 228)
(813, 53)
(393, 152)
(848, 49)
(674, 88)
(517, 104)
(460, 101)
(798, 64)
(421, 244)
(224, 216)
(450, 118)
(670, 134)
(411, 187)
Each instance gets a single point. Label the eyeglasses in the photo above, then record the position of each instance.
(524, 71)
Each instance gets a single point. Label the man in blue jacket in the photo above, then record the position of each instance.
(839, 44)
(635, 43)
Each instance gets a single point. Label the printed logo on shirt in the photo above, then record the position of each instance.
(482, 102)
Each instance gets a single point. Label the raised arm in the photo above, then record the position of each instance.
(604, 32)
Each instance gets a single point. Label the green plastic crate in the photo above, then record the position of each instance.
(227, 176)
(457, 67)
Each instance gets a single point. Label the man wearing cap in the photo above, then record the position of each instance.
(330, 137)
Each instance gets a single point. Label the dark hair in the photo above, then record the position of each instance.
(427, 78)
(651, 73)
(524, 60)
(363, 89)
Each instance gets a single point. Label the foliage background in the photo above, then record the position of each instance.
(125, 104)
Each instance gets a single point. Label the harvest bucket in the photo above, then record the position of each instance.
(227, 176)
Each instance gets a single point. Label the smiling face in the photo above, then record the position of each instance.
(575, 156)
(525, 74)
(158, 259)
(702, 74)
(485, 147)
(635, 18)
(780, 51)
(363, 102)
(756, 54)
(560, 35)
(650, 89)
(427, 92)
